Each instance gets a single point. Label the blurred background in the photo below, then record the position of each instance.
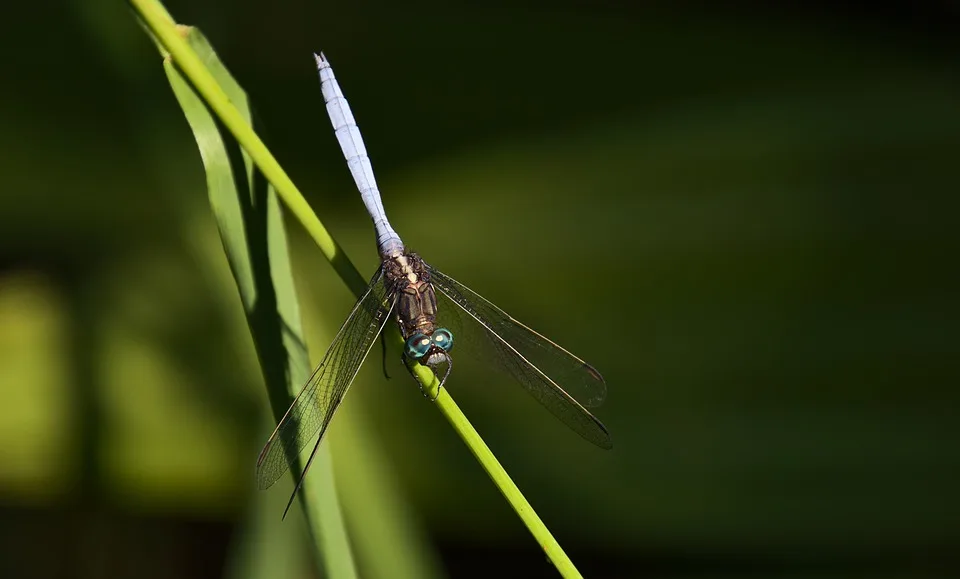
(743, 215)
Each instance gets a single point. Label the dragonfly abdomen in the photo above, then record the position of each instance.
(348, 134)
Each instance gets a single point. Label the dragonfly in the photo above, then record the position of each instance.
(416, 295)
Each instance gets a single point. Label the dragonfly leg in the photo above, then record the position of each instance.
(442, 380)
(420, 385)
(383, 342)
(412, 375)
(445, 374)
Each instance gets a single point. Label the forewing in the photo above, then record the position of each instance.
(317, 402)
(547, 371)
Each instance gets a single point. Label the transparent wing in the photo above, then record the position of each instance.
(540, 365)
(317, 402)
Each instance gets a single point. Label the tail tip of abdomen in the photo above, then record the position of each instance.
(322, 61)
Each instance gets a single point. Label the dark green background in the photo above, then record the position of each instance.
(744, 217)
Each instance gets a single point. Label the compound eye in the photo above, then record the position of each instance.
(417, 346)
(443, 339)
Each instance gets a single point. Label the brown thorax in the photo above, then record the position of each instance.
(417, 301)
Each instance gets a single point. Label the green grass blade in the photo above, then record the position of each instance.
(251, 227)
(396, 545)
(168, 35)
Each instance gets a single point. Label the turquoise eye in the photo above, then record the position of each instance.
(443, 339)
(417, 346)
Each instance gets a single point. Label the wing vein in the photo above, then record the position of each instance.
(318, 400)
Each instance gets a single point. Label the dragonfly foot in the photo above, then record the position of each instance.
(442, 380)
(420, 385)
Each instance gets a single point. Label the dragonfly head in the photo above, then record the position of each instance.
(430, 350)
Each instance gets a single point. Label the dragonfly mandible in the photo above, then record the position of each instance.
(415, 293)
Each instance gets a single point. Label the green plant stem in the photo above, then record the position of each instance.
(499, 476)
(166, 30)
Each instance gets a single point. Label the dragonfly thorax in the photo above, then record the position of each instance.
(416, 310)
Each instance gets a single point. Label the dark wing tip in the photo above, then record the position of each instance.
(603, 441)
(289, 503)
(607, 443)
(263, 453)
(595, 397)
(594, 372)
(265, 481)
